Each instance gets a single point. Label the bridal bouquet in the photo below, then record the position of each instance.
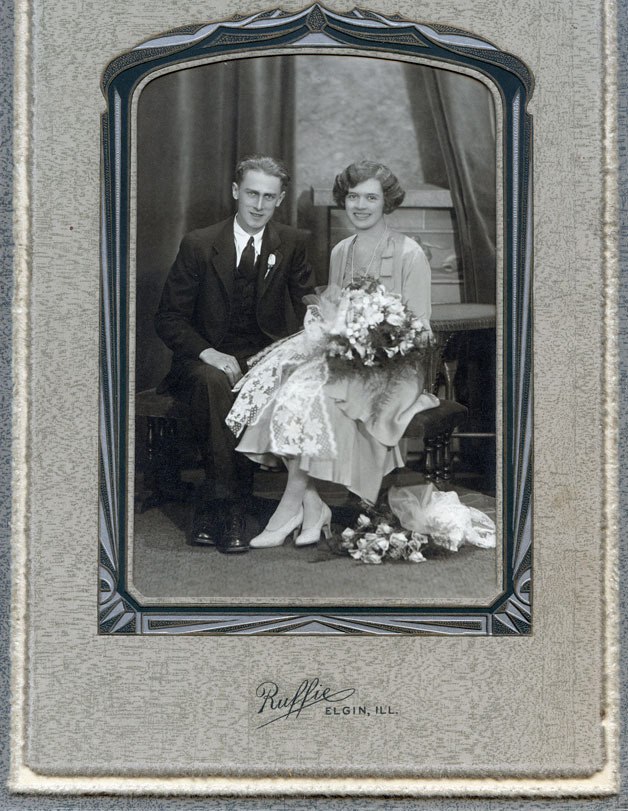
(374, 328)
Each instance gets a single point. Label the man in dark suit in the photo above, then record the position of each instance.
(234, 288)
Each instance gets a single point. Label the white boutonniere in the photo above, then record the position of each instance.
(270, 264)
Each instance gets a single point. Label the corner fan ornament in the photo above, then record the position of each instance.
(321, 31)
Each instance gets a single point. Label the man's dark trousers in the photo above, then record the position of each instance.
(207, 392)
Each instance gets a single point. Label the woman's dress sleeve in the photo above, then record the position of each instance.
(416, 279)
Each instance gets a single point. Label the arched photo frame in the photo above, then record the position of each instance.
(316, 32)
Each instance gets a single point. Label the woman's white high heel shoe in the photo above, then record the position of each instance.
(275, 537)
(313, 534)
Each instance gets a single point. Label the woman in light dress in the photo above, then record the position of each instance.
(343, 429)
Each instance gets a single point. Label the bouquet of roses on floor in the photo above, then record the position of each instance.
(409, 523)
(377, 536)
(374, 328)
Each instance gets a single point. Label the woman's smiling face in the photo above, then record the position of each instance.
(364, 204)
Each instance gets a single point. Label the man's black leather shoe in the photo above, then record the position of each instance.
(204, 536)
(233, 539)
(206, 530)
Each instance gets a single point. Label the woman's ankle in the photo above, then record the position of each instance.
(313, 504)
(311, 498)
(286, 509)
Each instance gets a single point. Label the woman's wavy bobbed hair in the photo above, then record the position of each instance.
(365, 170)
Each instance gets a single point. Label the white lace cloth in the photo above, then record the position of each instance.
(296, 368)
(449, 523)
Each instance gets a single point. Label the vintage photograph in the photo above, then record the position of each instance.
(315, 376)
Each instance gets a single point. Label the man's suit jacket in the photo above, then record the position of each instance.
(193, 314)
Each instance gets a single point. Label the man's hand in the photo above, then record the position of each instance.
(226, 363)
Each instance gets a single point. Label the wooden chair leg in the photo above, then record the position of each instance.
(430, 459)
(162, 480)
(170, 485)
(439, 457)
(150, 496)
(150, 440)
(151, 477)
(446, 466)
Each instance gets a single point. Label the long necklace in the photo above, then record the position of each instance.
(368, 267)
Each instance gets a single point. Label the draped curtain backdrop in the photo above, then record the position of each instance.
(460, 111)
(193, 126)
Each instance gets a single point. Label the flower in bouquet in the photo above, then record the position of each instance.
(373, 328)
(397, 544)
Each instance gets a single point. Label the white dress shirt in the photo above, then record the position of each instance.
(241, 239)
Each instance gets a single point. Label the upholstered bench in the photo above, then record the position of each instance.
(165, 417)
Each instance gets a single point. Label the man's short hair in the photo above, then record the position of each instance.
(262, 163)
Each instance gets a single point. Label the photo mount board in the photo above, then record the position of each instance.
(591, 771)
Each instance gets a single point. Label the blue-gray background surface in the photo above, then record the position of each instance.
(25, 803)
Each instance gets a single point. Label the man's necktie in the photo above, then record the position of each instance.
(247, 260)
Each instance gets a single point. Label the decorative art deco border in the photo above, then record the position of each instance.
(320, 29)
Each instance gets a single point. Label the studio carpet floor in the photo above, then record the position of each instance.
(167, 570)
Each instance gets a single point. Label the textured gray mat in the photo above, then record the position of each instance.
(152, 804)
